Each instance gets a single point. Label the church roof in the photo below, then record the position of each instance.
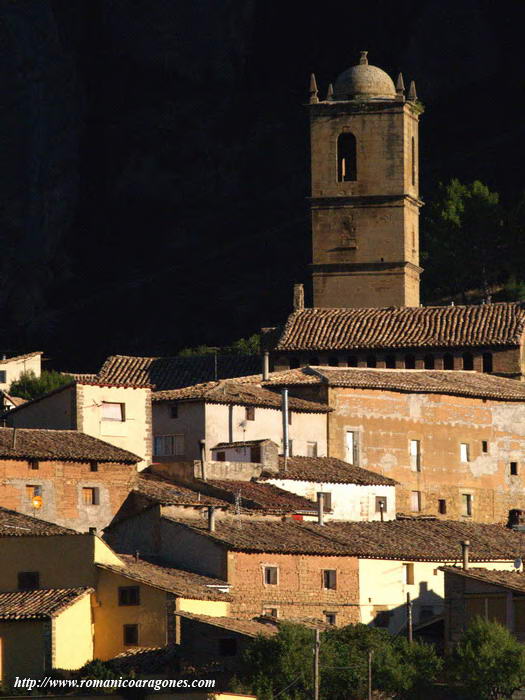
(483, 325)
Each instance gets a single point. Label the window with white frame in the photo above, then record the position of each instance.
(311, 449)
(415, 455)
(415, 501)
(113, 411)
(464, 452)
(352, 447)
(169, 445)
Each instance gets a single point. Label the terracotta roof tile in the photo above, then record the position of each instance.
(508, 579)
(414, 539)
(144, 659)
(327, 469)
(262, 496)
(169, 493)
(232, 392)
(39, 604)
(41, 443)
(15, 358)
(14, 524)
(185, 584)
(421, 381)
(175, 372)
(250, 628)
(404, 327)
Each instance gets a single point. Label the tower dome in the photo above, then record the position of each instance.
(364, 81)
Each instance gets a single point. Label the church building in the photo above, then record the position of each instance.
(365, 248)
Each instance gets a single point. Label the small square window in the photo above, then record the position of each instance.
(270, 575)
(484, 446)
(174, 410)
(464, 452)
(33, 490)
(442, 506)
(514, 469)
(467, 504)
(129, 595)
(250, 412)
(330, 618)
(221, 456)
(330, 579)
(381, 504)
(34, 464)
(131, 635)
(90, 496)
(409, 573)
(311, 449)
(28, 580)
(327, 500)
(227, 647)
(270, 612)
(93, 466)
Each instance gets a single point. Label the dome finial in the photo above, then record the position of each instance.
(400, 88)
(313, 90)
(412, 95)
(330, 92)
(363, 60)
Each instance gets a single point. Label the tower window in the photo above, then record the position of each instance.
(371, 361)
(313, 361)
(487, 362)
(448, 361)
(413, 161)
(410, 362)
(428, 361)
(333, 361)
(294, 363)
(352, 361)
(346, 158)
(468, 360)
(390, 362)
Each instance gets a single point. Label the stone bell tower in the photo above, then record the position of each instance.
(365, 192)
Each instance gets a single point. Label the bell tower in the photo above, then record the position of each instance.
(365, 191)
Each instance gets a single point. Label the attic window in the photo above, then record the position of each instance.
(129, 595)
(428, 362)
(352, 361)
(93, 466)
(33, 464)
(468, 361)
(390, 362)
(250, 412)
(487, 362)
(448, 361)
(90, 496)
(410, 362)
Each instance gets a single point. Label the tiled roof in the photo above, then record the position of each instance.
(414, 539)
(80, 376)
(404, 327)
(16, 358)
(240, 443)
(144, 659)
(508, 579)
(241, 394)
(41, 443)
(169, 493)
(327, 469)
(175, 372)
(38, 604)
(249, 628)
(14, 524)
(262, 496)
(185, 584)
(420, 381)
(15, 400)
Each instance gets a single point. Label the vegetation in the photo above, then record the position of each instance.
(282, 665)
(243, 346)
(29, 386)
(488, 663)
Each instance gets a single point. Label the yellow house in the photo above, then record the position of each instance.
(69, 598)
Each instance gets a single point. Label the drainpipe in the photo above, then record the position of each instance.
(211, 518)
(284, 407)
(13, 445)
(266, 366)
(465, 550)
(202, 444)
(320, 508)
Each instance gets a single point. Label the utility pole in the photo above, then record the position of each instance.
(370, 654)
(409, 619)
(317, 644)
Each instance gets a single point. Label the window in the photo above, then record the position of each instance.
(90, 496)
(131, 635)
(464, 452)
(33, 490)
(484, 446)
(294, 363)
(410, 362)
(346, 158)
(129, 595)
(220, 456)
(466, 499)
(468, 360)
(415, 455)
(333, 361)
(415, 501)
(327, 500)
(381, 504)
(352, 361)
(371, 361)
(250, 413)
(330, 579)
(390, 362)
(486, 362)
(113, 411)
(92, 530)
(255, 454)
(428, 362)
(28, 580)
(33, 464)
(270, 575)
(442, 506)
(174, 410)
(311, 449)
(413, 154)
(169, 445)
(227, 646)
(448, 361)
(93, 466)
(514, 469)
(330, 618)
(313, 361)
(3, 376)
(408, 574)
(270, 612)
(289, 418)
(352, 453)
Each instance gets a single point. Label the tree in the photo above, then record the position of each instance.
(489, 663)
(242, 346)
(29, 386)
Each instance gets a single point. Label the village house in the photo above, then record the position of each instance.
(64, 476)
(12, 367)
(455, 441)
(117, 413)
(339, 572)
(66, 598)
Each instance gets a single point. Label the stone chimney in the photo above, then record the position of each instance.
(298, 297)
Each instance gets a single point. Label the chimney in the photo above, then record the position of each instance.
(298, 297)
(202, 444)
(137, 555)
(266, 366)
(284, 408)
(320, 508)
(211, 518)
(464, 550)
